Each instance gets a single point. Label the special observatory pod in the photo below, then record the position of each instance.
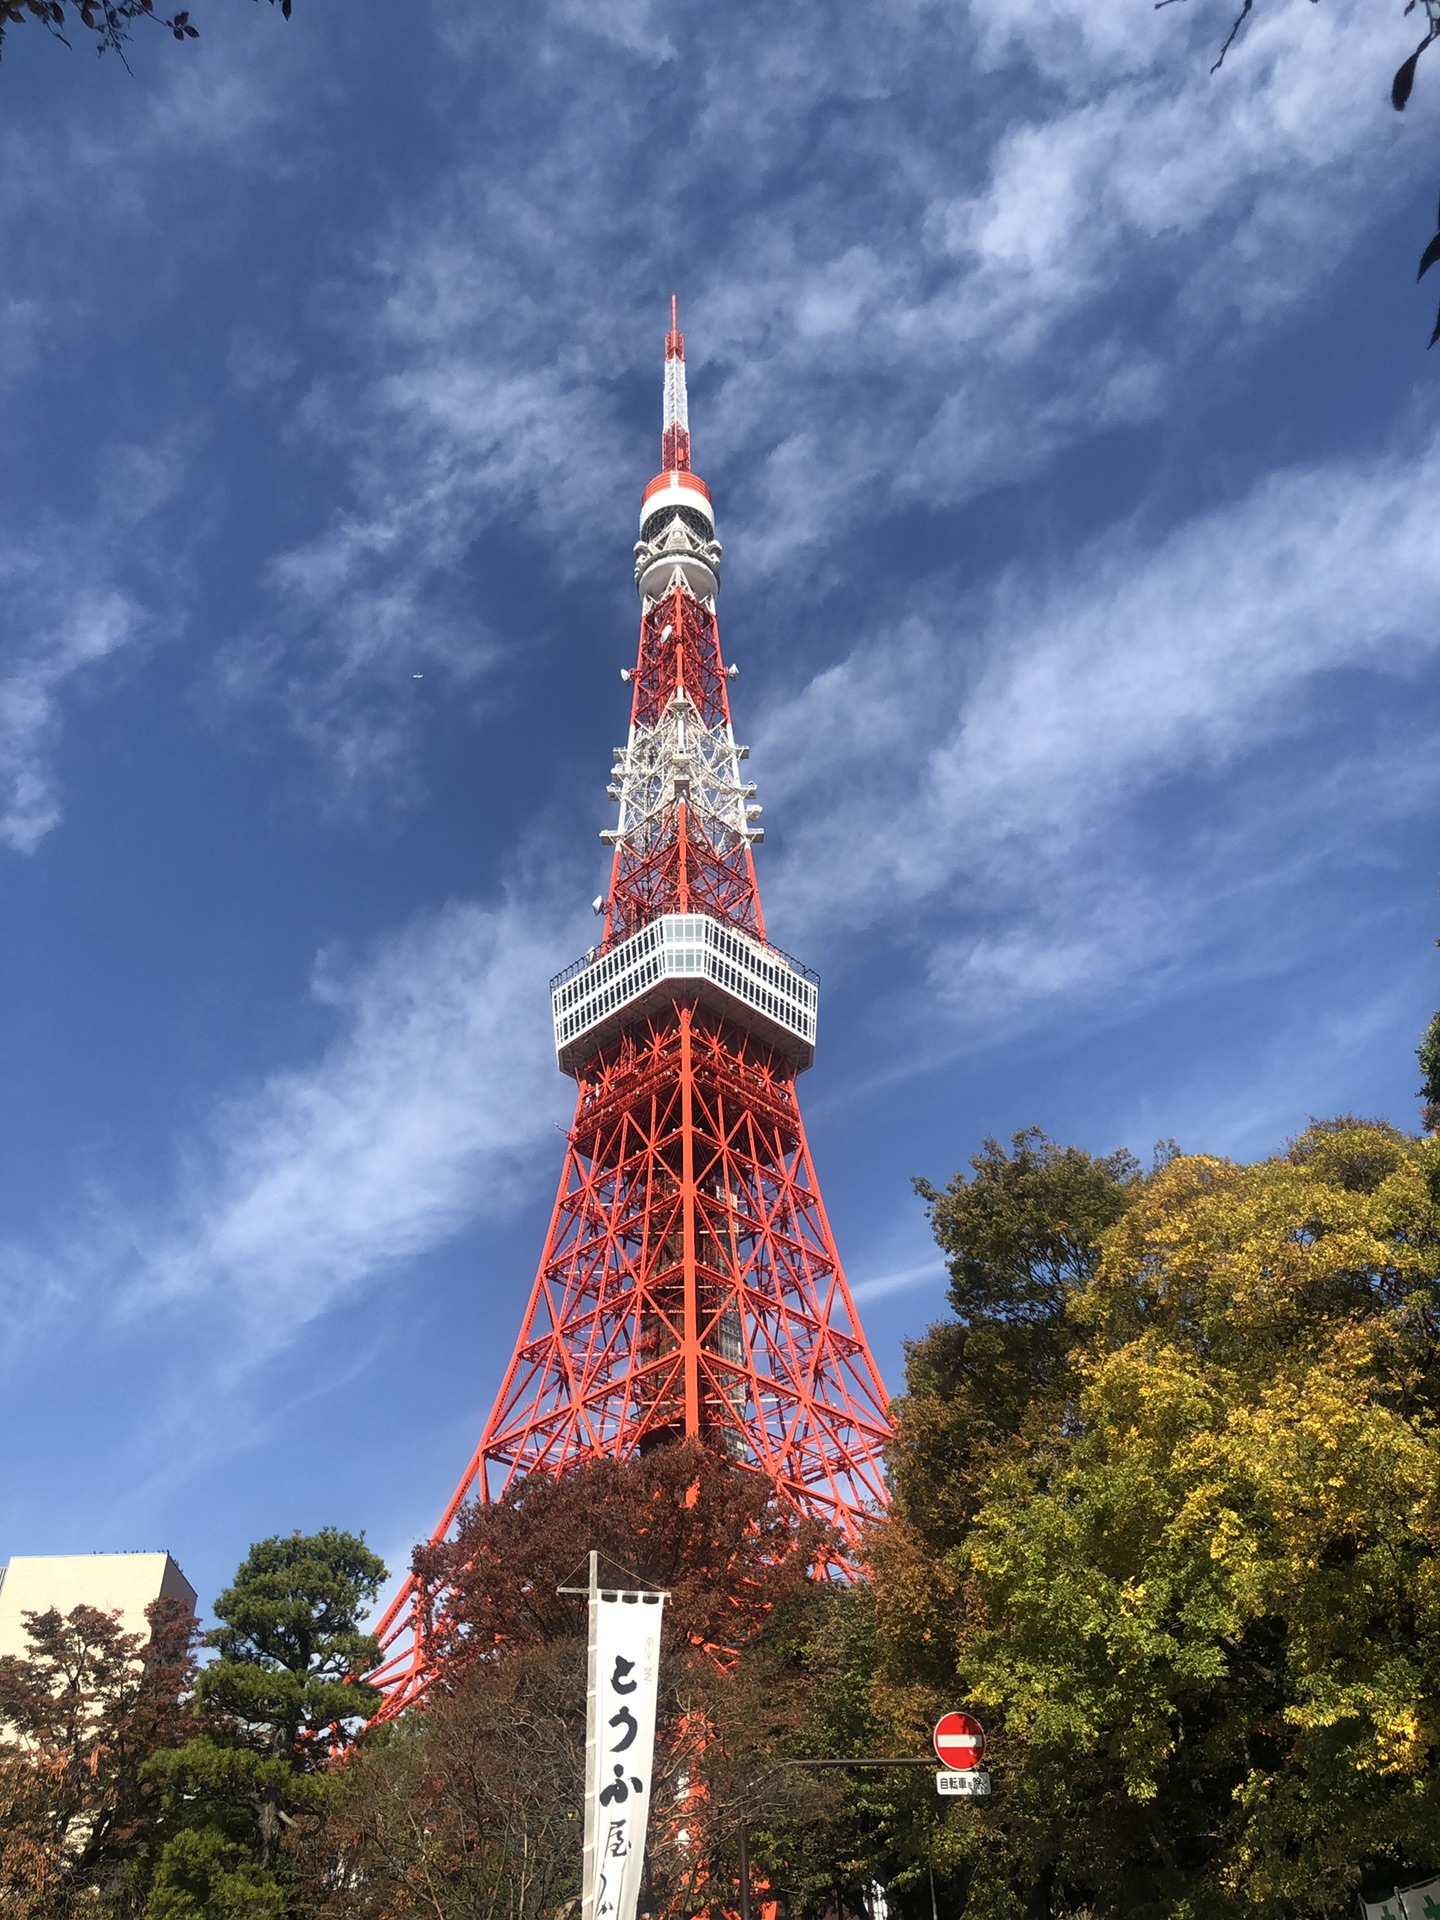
(677, 530)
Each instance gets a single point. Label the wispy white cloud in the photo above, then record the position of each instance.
(94, 625)
(898, 1282)
(1115, 215)
(69, 610)
(436, 1103)
(424, 1112)
(941, 244)
(993, 782)
(88, 589)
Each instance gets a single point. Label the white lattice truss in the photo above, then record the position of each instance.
(677, 405)
(680, 758)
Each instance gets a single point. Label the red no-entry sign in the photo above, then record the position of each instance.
(959, 1741)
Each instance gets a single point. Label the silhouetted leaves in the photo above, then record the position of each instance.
(1404, 81)
(1235, 27)
(1431, 1062)
(1401, 87)
(108, 22)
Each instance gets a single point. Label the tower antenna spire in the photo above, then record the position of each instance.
(689, 1288)
(675, 438)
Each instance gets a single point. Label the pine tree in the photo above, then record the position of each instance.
(282, 1701)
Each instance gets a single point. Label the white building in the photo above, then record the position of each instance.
(123, 1583)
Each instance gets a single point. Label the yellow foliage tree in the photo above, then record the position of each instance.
(1197, 1596)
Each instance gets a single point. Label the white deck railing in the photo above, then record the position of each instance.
(755, 985)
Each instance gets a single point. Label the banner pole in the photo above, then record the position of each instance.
(592, 1743)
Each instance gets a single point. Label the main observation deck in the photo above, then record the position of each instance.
(756, 986)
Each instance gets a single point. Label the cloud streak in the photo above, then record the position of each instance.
(426, 1111)
(1006, 786)
(71, 608)
(1006, 228)
(93, 627)
(898, 1282)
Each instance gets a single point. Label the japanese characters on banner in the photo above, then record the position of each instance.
(619, 1748)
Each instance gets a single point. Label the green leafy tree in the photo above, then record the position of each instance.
(281, 1704)
(1197, 1600)
(1022, 1233)
(1428, 1054)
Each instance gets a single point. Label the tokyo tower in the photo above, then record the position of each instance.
(689, 1285)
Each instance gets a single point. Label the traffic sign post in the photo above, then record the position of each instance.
(959, 1741)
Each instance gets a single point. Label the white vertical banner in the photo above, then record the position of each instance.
(619, 1748)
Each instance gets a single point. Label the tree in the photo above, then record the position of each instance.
(82, 1713)
(1428, 1054)
(471, 1806)
(1199, 1598)
(1022, 1235)
(281, 1704)
(716, 1539)
(107, 24)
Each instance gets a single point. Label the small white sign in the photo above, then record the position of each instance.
(971, 1781)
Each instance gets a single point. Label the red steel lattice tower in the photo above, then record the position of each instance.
(689, 1285)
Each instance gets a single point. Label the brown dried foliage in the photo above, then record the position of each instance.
(80, 1716)
(470, 1808)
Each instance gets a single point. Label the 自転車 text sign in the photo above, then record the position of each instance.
(972, 1782)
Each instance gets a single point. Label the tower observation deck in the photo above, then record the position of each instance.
(689, 1285)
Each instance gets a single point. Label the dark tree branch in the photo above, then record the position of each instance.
(1401, 88)
(1235, 26)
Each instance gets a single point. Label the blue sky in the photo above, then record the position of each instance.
(1075, 454)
